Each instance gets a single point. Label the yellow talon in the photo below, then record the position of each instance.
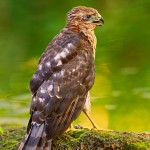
(71, 128)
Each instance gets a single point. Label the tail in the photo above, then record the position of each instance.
(35, 139)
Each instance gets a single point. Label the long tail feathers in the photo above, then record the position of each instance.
(35, 139)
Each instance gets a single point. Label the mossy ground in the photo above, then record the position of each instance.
(82, 139)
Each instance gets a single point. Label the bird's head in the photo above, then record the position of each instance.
(84, 18)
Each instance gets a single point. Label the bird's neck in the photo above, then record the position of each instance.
(89, 34)
(91, 38)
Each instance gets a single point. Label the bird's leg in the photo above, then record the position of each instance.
(86, 110)
(93, 123)
(91, 120)
(71, 128)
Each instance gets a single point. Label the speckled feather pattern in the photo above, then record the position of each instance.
(65, 74)
(61, 83)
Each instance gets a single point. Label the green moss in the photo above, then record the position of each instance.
(77, 133)
(11, 137)
(82, 139)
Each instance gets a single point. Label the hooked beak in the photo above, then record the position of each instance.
(99, 21)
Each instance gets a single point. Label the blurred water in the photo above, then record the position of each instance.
(121, 94)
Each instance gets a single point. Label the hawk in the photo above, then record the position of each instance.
(65, 74)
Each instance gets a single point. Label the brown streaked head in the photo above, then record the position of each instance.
(84, 17)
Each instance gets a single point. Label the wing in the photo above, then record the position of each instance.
(59, 52)
(61, 91)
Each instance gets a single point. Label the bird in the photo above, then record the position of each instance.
(65, 74)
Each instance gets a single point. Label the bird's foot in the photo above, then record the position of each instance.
(101, 129)
(95, 127)
(105, 130)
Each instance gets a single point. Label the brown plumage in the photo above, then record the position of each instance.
(64, 76)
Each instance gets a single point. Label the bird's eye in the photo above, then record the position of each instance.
(88, 16)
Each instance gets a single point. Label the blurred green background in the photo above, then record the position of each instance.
(121, 94)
